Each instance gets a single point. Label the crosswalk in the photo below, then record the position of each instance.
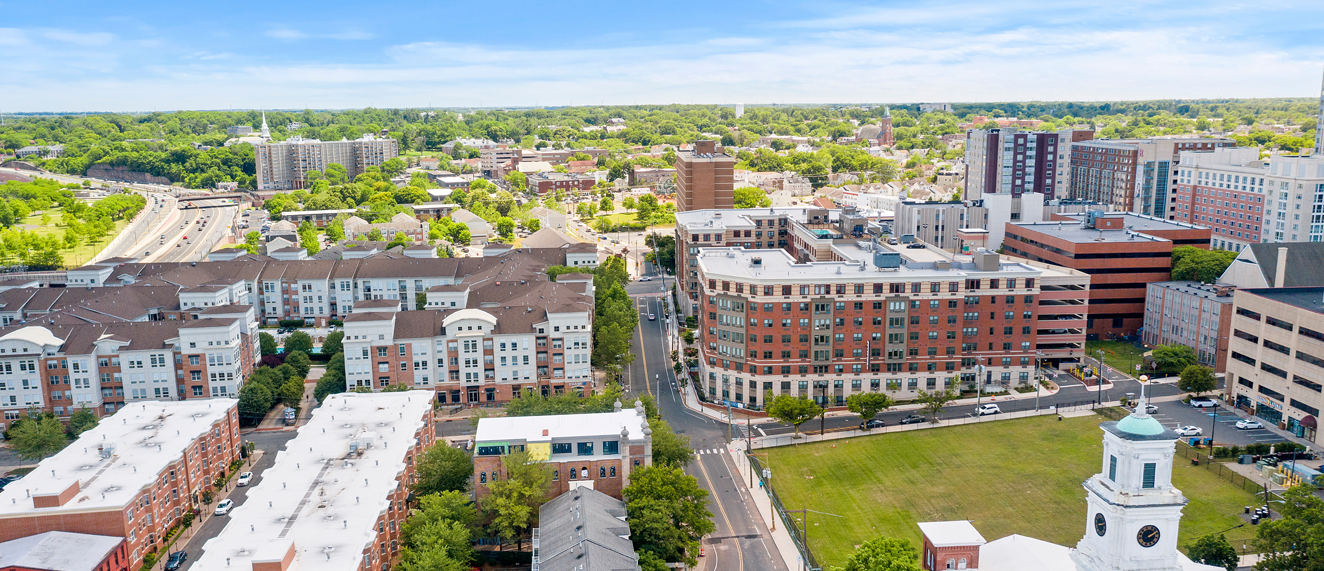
(709, 451)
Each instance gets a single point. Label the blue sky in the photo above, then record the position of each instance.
(60, 55)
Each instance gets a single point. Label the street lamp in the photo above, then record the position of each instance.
(1099, 379)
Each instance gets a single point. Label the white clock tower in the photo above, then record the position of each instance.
(1133, 509)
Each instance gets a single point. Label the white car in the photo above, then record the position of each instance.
(224, 507)
(1248, 424)
(244, 478)
(1203, 402)
(1150, 409)
(988, 409)
(646, 279)
(1189, 430)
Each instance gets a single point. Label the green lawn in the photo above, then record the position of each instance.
(1013, 476)
(1117, 354)
(79, 254)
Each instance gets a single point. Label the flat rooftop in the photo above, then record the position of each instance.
(1308, 298)
(1135, 228)
(1198, 289)
(718, 219)
(546, 428)
(737, 263)
(317, 487)
(142, 439)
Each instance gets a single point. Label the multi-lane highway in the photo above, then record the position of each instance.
(190, 235)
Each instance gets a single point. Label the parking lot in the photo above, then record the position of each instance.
(1176, 413)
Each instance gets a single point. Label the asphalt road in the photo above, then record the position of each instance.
(740, 540)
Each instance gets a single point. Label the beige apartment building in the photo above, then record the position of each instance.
(1275, 360)
(283, 165)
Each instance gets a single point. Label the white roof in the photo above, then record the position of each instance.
(1021, 553)
(58, 551)
(951, 533)
(316, 488)
(34, 334)
(561, 426)
(146, 437)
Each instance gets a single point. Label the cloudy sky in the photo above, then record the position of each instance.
(65, 55)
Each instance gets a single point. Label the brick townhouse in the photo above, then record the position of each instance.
(597, 450)
(133, 476)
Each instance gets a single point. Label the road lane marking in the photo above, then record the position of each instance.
(717, 500)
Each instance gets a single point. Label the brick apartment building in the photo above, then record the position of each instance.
(1247, 200)
(705, 178)
(63, 551)
(545, 182)
(133, 476)
(352, 463)
(1275, 368)
(1133, 175)
(1122, 253)
(1192, 314)
(598, 450)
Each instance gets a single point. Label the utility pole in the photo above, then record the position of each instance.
(1099, 377)
(822, 418)
(728, 421)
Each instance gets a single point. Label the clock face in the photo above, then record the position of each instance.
(1100, 525)
(1148, 536)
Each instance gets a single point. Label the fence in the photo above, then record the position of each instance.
(797, 532)
(1220, 469)
(810, 435)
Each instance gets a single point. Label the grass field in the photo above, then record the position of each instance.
(79, 254)
(1013, 476)
(1117, 354)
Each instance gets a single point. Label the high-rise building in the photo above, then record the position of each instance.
(1132, 175)
(283, 165)
(705, 178)
(740, 110)
(1010, 161)
(1247, 200)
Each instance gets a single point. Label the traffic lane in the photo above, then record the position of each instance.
(270, 443)
(171, 248)
(216, 222)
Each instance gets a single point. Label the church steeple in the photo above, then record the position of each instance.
(266, 133)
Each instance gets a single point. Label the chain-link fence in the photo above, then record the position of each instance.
(792, 525)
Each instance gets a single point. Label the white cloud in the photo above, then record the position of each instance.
(286, 34)
(13, 37)
(86, 39)
(292, 34)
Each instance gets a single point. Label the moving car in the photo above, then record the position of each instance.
(244, 479)
(1189, 430)
(652, 317)
(1249, 424)
(871, 424)
(912, 419)
(988, 409)
(1203, 402)
(176, 560)
(646, 279)
(224, 507)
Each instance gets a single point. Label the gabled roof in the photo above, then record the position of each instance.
(1305, 263)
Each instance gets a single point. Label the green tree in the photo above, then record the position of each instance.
(1292, 542)
(533, 225)
(335, 230)
(1214, 550)
(1191, 263)
(793, 410)
(291, 393)
(505, 226)
(333, 380)
(1173, 358)
(668, 513)
(628, 203)
(392, 166)
(266, 344)
(751, 197)
(252, 240)
(300, 362)
(443, 468)
(669, 448)
(298, 341)
(255, 400)
(883, 554)
(1197, 379)
(868, 405)
(35, 439)
(606, 205)
(515, 498)
(438, 507)
(333, 342)
(82, 421)
(933, 402)
(517, 180)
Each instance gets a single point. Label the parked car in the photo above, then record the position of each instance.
(1189, 430)
(244, 479)
(176, 560)
(990, 408)
(1203, 402)
(1149, 409)
(871, 424)
(1249, 424)
(224, 507)
(912, 419)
